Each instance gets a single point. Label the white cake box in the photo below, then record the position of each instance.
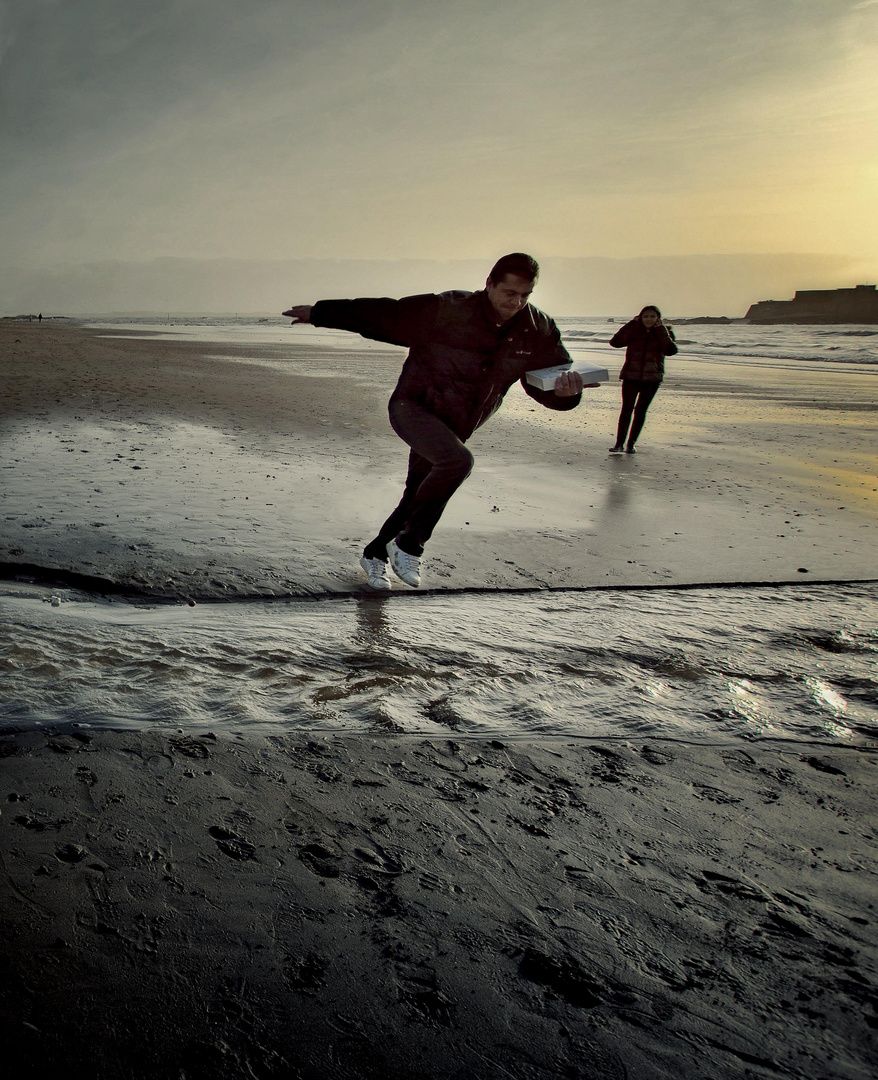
(544, 378)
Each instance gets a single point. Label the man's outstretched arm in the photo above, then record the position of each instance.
(397, 322)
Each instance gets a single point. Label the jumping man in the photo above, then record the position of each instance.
(466, 349)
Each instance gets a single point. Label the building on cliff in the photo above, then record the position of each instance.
(857, 305)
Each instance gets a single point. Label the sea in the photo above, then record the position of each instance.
(732, 341)
(713, 664)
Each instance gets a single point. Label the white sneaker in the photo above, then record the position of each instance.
(376, 572)
(406, 567)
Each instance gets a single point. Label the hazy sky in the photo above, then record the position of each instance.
(279, 129)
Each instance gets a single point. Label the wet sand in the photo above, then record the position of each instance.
(151, 466)
(195, 906)
(354, 907)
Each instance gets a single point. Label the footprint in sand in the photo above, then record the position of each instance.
(655, 756)
(38, 824)
(320, 860)
(379, 861)
(189, 746)
(231, 844)
(434, 883)
(422, 993)
(71, 853)
(564, 976)
(715, 795)
(305, 974)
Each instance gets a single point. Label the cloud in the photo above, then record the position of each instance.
(342, 127)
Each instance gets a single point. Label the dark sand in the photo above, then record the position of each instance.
(358, 907)
(189, 907)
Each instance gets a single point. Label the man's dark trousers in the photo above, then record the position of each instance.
(438, 464)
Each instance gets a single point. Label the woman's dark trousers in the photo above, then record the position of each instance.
(637, 395)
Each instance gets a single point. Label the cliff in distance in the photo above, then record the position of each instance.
(857, 305)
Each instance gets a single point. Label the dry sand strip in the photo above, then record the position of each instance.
(176, 470)
(198, 908)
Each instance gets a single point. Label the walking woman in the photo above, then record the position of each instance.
(647, 342)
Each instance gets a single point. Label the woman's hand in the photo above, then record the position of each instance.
(299, 314)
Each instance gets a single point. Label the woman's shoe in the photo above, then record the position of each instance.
(630, 450)
(617, 449)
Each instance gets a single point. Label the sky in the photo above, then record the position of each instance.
(383, 130)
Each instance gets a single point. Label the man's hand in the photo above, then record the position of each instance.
(569, 384)
(299, 314)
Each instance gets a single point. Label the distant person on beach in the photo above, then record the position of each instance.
(466, 349)
(647, 341)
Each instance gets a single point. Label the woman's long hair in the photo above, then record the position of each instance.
(652, 307)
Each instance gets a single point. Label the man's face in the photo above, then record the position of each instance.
(509, 295)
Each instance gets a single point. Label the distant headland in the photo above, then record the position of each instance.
(857, 305)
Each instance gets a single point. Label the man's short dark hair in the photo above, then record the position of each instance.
(523, 266)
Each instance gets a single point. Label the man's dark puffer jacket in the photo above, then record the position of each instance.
(460, 363)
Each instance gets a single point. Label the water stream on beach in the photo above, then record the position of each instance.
(697, 664)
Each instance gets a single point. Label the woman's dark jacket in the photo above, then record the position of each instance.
(646, 350)
(460, 363)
